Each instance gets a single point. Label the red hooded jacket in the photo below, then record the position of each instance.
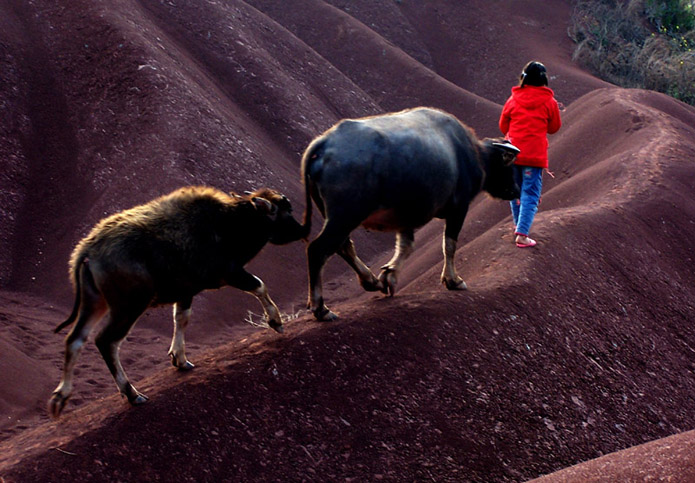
(528, 115)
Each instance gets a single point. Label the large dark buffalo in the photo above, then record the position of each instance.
(164, 252)
(395, 172)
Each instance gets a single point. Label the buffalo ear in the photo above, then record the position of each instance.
(509, 152)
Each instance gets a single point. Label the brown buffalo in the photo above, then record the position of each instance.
(165, 252)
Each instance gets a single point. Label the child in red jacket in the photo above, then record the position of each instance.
(530, 113)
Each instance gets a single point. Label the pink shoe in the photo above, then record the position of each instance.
(530, 243)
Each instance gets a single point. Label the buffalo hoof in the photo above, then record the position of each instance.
(56, 404)
(387, 278)
(138, 400)
(373, 285)
(458, 284)
(276, 326)
(323, 314)
(135, 397)
(185, 366)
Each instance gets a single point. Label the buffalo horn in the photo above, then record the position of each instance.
(510, 152)
(508, 147)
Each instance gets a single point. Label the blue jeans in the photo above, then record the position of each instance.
(530, 180)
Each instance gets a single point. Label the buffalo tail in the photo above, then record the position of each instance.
(77, 283)
(310, 155)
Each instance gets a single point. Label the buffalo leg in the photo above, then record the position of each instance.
(247, 282)
(405, 241)
(120, 321)
(177, 351)
(92, 309)
(367, 279)
(333, 236)
(451, 232)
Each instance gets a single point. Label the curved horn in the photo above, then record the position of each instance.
(263, 205)
(508, 147)
(509, 152)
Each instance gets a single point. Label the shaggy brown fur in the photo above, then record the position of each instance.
(165, 252)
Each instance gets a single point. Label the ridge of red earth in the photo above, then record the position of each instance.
(557, 355)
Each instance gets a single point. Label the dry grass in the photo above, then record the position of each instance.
(260, 320)
(628, 44)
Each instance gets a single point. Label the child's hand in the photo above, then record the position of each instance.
(561, 106)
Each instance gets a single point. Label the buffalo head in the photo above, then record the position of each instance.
(498, 157)
(277, 207)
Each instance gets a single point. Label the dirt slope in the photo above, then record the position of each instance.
(667, 459)
(556, 355)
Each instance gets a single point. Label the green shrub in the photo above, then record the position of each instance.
(670, 16)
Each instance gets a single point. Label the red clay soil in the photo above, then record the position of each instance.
(578, 348)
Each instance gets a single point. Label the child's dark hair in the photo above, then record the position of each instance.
(534, 74)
